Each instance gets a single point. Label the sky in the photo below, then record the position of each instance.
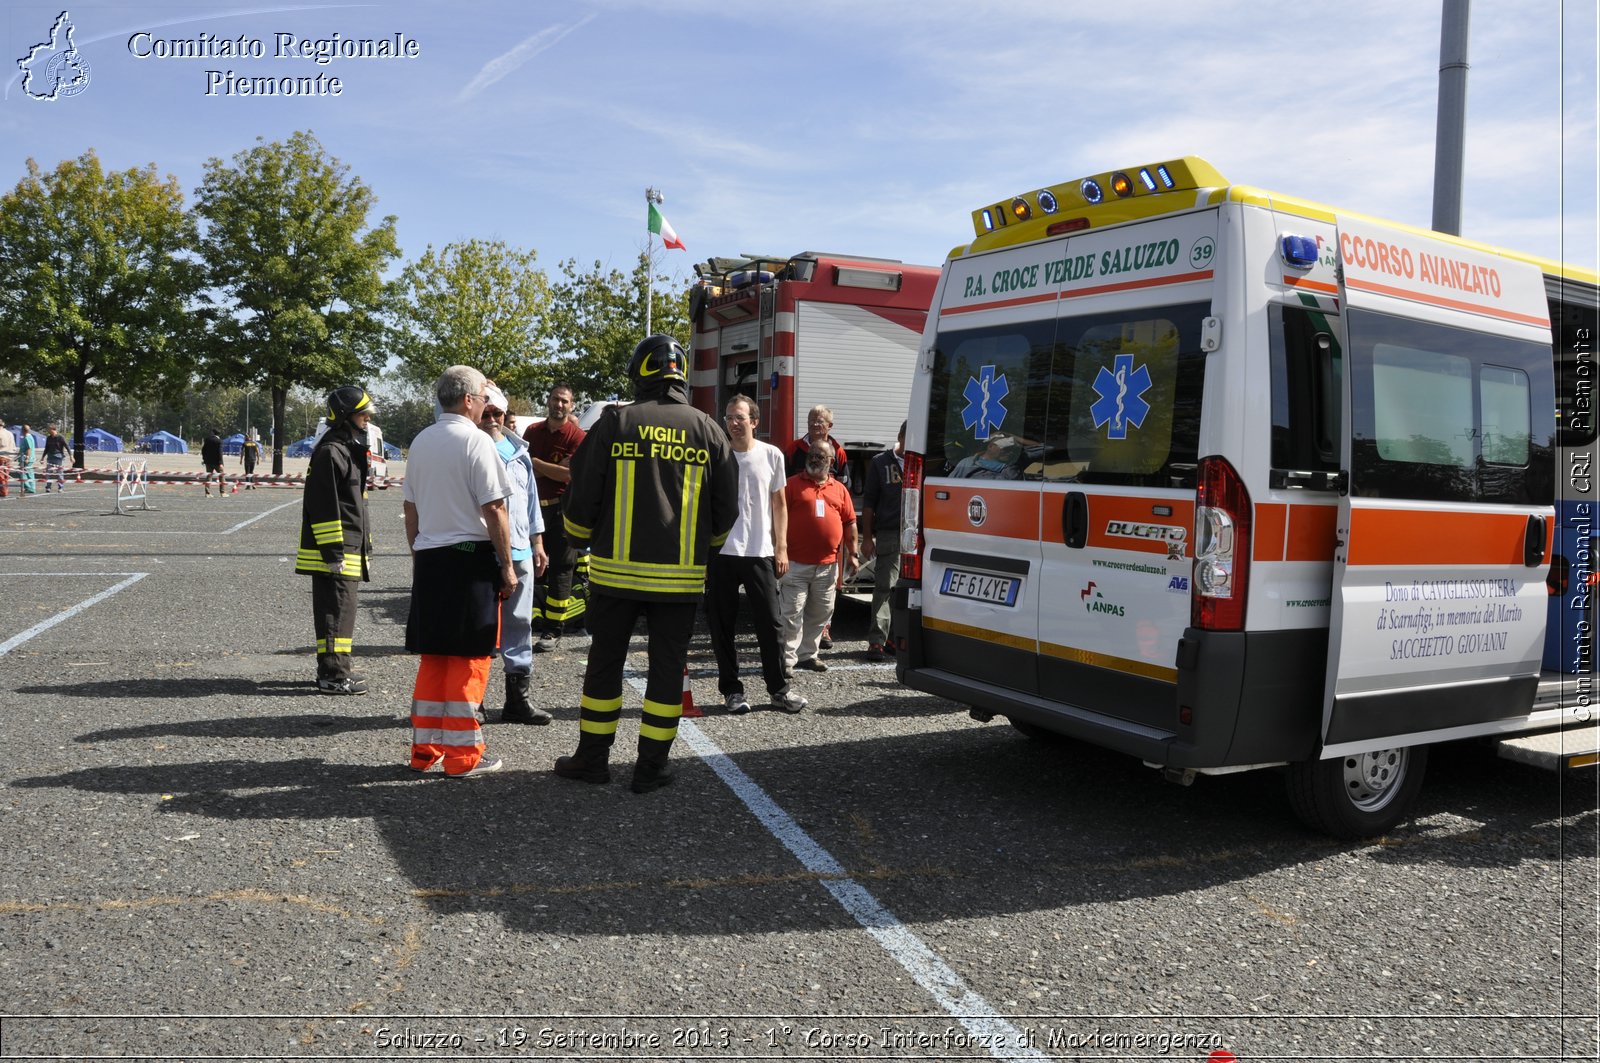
(870, 127)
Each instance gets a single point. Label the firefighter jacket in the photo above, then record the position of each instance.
(335, 534)
(654, 489)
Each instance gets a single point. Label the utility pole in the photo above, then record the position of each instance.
(651, 195)
(1449, 146)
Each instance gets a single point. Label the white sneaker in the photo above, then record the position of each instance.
(737, 705)
(483, 767)
(789, 702)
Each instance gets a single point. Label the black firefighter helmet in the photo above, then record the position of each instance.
(345, 401)
(656, 361)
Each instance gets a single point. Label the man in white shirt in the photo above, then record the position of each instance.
(755, 556)
(461, 568)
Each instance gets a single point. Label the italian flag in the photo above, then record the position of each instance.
(663, 228)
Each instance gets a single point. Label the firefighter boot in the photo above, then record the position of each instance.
(651, 771)
(518, 708)
(588, 764)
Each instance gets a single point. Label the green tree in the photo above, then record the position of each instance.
(596, 318)
(95, 280)
(295, 273)
(478, 302)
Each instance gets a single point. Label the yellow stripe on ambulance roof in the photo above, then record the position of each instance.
(1195, 184)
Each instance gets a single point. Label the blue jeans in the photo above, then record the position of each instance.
(516, 623)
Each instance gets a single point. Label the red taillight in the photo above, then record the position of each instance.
(1221, 548)
(911, 518)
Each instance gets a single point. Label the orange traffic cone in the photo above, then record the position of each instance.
(688, 696)
(235, 488)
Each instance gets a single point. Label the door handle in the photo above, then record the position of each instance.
(1075, 519)
(1533, 541)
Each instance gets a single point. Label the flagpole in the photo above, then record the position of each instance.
(651, 195)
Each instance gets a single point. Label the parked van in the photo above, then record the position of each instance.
(1224, 479)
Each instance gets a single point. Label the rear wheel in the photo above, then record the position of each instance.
(1360, 795)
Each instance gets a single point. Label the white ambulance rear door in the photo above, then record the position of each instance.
(1442, 539)
(994, 329)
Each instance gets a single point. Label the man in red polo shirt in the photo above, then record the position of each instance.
(551, 444)
(821, 520)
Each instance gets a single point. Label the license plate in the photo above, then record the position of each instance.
(980, 587)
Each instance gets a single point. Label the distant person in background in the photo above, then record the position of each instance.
(55, 459)
(880, 538)
(8, 447)
(551, 444)
(822, 524)
(27, 454)
(527, 553)
(819, 426)
(336, 536)
(249, 454)
(211, 458)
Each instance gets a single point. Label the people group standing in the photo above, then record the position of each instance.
(653, 491)
(551, 445)
(336, 536)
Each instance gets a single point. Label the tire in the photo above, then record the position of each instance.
(1358, 796)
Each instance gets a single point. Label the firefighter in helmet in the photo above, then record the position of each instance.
(654, 489)
(336, 535)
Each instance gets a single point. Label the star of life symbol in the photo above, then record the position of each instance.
(1121, 389)
(985, 395)
(55, 68)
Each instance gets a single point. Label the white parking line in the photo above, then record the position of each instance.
(67, 614)
(988, 1026)
(258, 516)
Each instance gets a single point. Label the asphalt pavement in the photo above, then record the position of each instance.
(206, 859)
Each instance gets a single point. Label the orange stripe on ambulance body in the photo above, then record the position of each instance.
(1009, 514)
(1435, 537)
(1121, 522)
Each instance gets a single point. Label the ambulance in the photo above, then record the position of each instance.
(1223, 480)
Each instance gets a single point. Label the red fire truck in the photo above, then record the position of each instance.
(836, 330)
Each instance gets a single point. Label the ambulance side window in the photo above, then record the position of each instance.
(986, 411)
(1307, 394)
(1449, 415)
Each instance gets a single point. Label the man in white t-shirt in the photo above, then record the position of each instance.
(461, 568)
(754, 557)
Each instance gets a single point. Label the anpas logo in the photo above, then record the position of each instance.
(55, 68)
(1095, 602)
(1121, 389)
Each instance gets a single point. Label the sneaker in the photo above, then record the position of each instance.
(484, 766)
(875, 651)
(811, 664)
(547, 642)
(347, 685)
(789, 702)
(736, 704)
(827, 638)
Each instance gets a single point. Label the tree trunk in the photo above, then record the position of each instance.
(280, 401)
(79, 387)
